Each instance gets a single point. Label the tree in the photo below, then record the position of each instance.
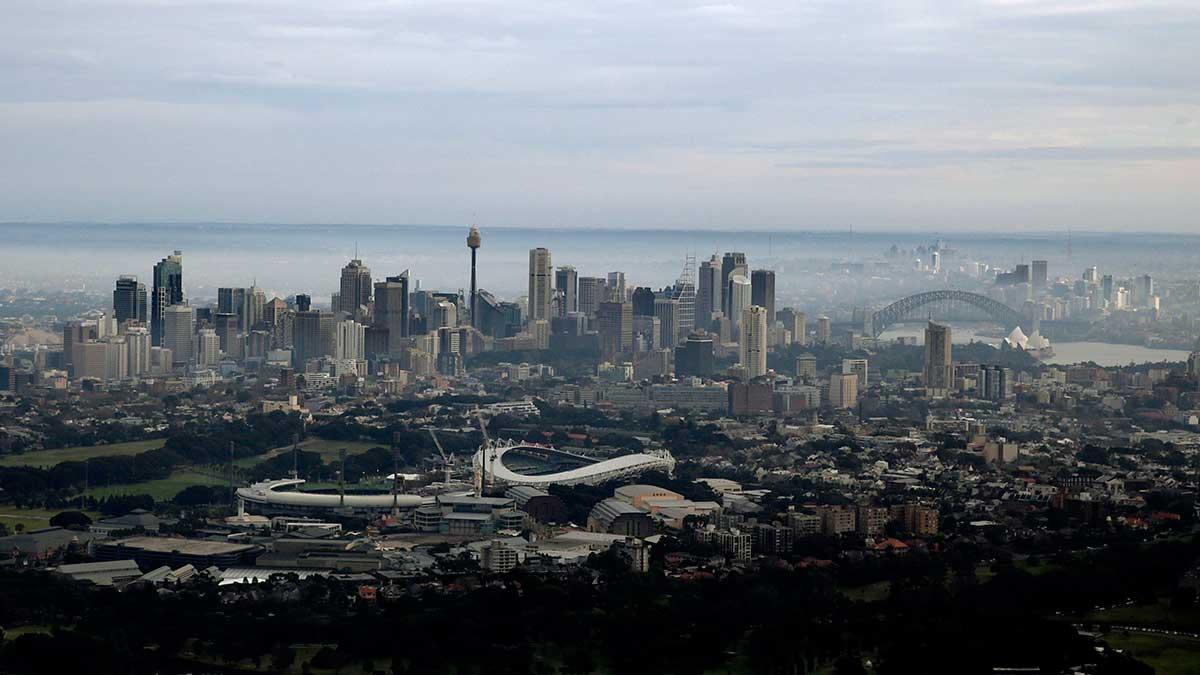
(198, 495)
(71, 520)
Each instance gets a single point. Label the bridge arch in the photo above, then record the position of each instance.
(1002, 313)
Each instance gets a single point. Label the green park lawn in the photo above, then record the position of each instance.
(48, 458)
(33, 519)
(327, 449)
(1167, 654)
(1155, 614)
(161, 490)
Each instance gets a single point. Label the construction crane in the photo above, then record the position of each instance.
(482, 470)
(446, 461)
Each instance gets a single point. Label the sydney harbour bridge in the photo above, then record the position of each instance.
(941, 303)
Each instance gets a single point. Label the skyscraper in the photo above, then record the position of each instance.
(732, 263)
(709, 291)
(824, 330)
(796, 322)
(208, 348)
(354, 291)
(349, 341)
(762, 292)
(1143, 290)
(178, 330)
(616, 287)
(391, 308)
(737, 293)
(939, 366)
(667, 311)
(694, 358)
(1040, 273)
(591, 294)
(129, 300)
(541, 284)
(166, 290)
(615, 324)
(313, 337)
(859, 368)
(643, 301)
(843, 390)
(137, 342)
(566, 282)
(684, 292)
(753, 343)
(473, 243)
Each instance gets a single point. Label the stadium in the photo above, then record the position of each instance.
(541, 465)
(280, 497)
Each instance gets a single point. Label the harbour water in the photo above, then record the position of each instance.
(1065, 353)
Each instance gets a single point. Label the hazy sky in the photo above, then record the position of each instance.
(1034, 114)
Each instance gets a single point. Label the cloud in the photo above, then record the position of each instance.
(590, 112)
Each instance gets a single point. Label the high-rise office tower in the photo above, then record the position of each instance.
(1091, 275)
(354, 291)
(1106, 287)
(129, 300)
(443, 314)
(684, 292)
(349, 341)
(208, 348)
(824, 330)
(566, 282)
(667, 311)
(643, 301)
(709, 291)
(178, 332)
(762, 292)
(313, 337)
(694, 358)
(226, 326)
(116, 358)
(859, 368)
(939, 367)
(473, 243)
(228, 300)
(1041, 275)
(137, 343)
(843, 390)
(796, 322)
(616, 287)
(994, 383)
(614, 322)
(247, 304)
(1143, 290)
(254, 302)
(753, 343)
(647, 333)
(732, 263)
(303, 302)
(738, 297)
(591, 294)
(166, 290)
(541, 284)
(391, 308)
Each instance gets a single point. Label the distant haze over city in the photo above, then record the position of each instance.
(979, 116)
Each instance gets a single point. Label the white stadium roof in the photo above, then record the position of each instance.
(590, 474)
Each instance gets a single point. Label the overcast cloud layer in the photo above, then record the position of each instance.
(798, 115)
